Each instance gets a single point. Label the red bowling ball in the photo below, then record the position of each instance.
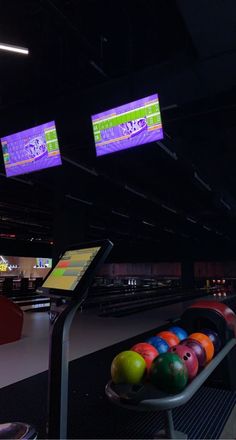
(189, 357)
(147, 351)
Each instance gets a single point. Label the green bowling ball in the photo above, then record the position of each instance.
(128, 367)
(169, 373)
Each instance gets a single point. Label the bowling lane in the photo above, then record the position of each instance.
(89, 333)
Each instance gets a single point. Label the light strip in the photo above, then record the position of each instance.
(204, 184)
(169, 107)
(225, 204)
(137, 193)
(82, 167)
(27, 182)
(172, 154)
(16, 49)
(148, 224)
(192, 220)
(120, 214)
(97, 227)
(206, 227)
(86, 202)
(169, 209)
(169, 230)
(184, 235)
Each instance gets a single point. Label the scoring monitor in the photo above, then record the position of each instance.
(75, 269)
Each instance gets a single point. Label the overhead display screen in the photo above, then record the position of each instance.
(31, 150)
(127, 126)
(70, 269)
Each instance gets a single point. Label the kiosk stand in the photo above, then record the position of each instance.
(67, 285)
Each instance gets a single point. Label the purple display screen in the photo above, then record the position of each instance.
(31, 150)
(127, 126)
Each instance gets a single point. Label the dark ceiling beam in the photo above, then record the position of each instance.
(211, 24)
(80, 37)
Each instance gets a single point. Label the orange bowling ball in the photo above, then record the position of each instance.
(169, 337)
(206, 343)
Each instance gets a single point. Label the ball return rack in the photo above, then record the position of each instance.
(145, 397)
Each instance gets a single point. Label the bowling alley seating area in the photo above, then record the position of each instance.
(23, 292)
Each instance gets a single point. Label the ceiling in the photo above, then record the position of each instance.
(170, 200)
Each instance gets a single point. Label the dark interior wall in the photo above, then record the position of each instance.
(70, 222)
(171, 251)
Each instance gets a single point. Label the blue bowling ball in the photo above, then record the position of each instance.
(159, 343)
(179, 332)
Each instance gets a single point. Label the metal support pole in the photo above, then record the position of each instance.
(169, 424)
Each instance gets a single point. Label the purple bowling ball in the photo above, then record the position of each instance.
(198, 350)
(214, 337)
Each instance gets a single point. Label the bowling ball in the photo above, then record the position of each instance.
(188, 357)
(179, 332)
(206, 343)
(214, 337)
(159, 343)
(128, 367)
(147, 351)
(169, 373)
(169, 337)
(198, 350)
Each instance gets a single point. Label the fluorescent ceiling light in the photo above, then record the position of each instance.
(16, 49)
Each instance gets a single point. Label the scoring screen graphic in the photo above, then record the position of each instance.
(70, 269)
(31, 150)
(127, 126)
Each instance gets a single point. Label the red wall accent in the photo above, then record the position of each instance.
(203, 269)
(141, 269)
